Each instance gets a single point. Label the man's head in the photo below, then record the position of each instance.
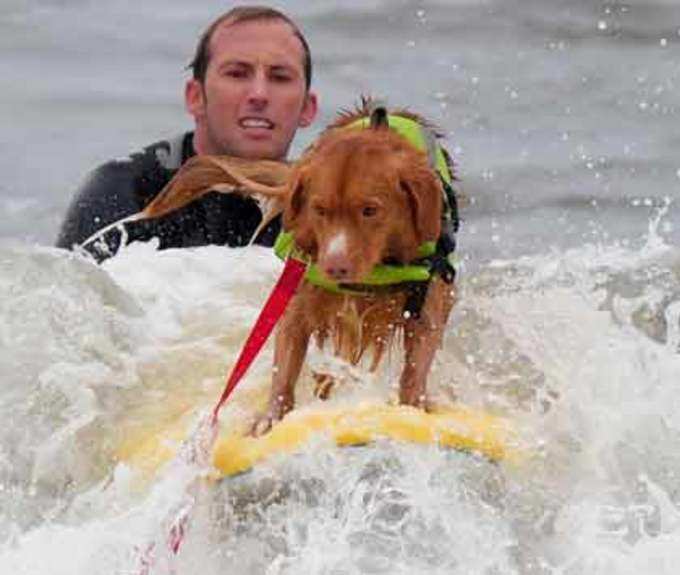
(250, 89)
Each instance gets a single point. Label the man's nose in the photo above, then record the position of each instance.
(259, 89)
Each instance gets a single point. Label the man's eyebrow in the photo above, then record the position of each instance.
(246, 63)
(234, 63)
(283, 68)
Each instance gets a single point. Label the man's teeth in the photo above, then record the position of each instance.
(256, 123)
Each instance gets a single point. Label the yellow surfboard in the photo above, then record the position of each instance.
(456, 427)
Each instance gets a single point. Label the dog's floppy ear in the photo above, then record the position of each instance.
(296, 214)
(424, 195)
(203, 174)
(295, 200)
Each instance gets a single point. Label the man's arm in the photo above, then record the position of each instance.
(119, 189)
(106, 196)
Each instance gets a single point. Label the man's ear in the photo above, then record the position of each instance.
(309, 109)
(194, 98)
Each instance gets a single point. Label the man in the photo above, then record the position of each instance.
(248, 95)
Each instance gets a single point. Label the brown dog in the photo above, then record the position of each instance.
(359, 198)
(356, 199)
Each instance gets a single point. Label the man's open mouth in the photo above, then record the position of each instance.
(258, 123)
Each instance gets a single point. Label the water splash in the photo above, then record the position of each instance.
(555, 342)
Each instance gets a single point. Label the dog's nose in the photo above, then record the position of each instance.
(337, 273)
(336, 267)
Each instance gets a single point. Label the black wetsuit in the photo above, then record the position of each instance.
(121, 188)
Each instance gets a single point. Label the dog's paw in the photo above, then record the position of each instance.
(323, 384)
(261, 425)
(415, 398)
(263, 422)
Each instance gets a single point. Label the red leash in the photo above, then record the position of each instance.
(272, 311)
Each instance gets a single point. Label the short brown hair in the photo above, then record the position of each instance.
(201, 59)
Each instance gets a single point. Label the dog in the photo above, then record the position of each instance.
(358, 198)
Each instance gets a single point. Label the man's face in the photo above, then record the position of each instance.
(254, 97)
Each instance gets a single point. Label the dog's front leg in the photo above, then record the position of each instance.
(422, 339)
(290, 349)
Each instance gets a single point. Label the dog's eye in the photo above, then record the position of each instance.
(369, 211)
(319, 211)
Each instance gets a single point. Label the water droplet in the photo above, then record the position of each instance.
(602, 25)
(663, 42)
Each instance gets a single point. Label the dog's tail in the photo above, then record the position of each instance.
(203, 174)
(263, 180)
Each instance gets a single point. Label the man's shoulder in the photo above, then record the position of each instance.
(169, 154)
(122, 186)
(144, 172)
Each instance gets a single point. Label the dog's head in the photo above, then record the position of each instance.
(360, 197)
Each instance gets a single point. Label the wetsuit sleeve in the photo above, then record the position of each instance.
(119, 189)
(106, 196)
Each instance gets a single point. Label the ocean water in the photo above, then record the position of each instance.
(561, 116)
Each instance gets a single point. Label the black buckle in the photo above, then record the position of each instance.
(415, 299)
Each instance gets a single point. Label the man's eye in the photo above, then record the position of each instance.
(369, 211)
(319, 211)
(235, 73)
(281, 77)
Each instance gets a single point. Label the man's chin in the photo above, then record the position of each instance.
(259, 150)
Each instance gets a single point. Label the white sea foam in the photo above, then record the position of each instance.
(557, 343)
